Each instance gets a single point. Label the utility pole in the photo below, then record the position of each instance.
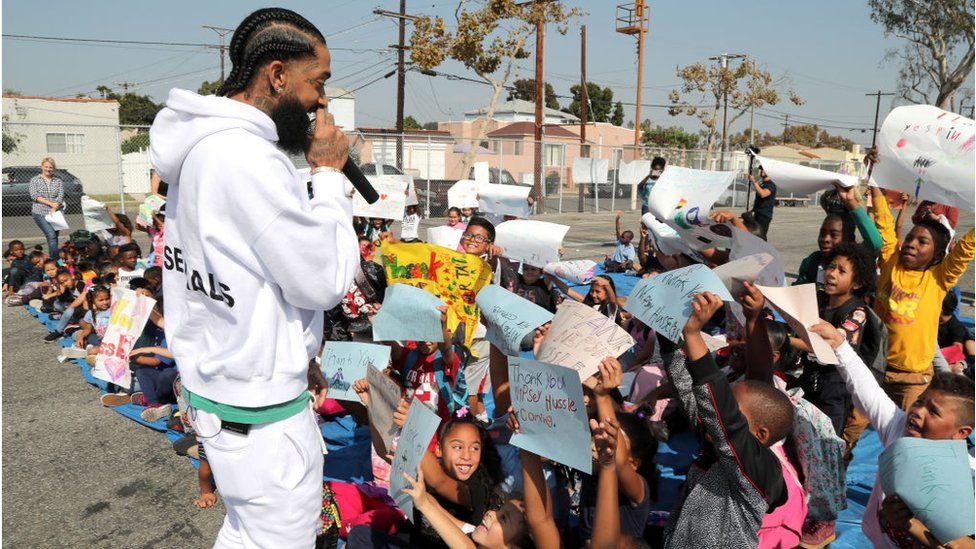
(752, 125)
(724, 61)
(125, 86)
(786, 126)
(877, 111)
(632, 19)
(401, 48)
(540, 31)
(584, 100)
(221, 32)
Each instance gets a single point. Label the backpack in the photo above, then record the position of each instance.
(80, 238)
(874, 339)
(450, 395)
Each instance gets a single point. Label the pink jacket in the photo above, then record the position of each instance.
(782, 527)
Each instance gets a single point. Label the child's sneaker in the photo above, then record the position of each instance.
(36, 303)
(54, 316)
(138, 399)
(114, 399)
(156, 413)
(183, 445)
(52, 337)
(817, 534)
(73, 352)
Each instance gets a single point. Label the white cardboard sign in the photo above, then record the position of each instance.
(463, 194)
(393, 198)
(590, 170)
(794, 178)
(683, 198)
(532, 242)
(504, 199)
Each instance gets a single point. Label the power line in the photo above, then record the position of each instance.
(151, 42)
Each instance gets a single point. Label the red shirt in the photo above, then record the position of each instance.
(420, 381)
(951, 214)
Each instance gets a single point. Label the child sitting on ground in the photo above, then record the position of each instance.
(601, 297)
(955, 341)
(624, 256)
(943, 411)
(93, 325)
(737, 480)
(128, 262)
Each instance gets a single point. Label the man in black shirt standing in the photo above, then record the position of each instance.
(762, 209)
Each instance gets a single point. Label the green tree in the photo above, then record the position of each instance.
(430, 125)
(600, 106)
(486, 40)
(674, 137)
(703, 88)
(524, 89)
(808, 135)
(208, 87)
(938, 57)
(410, 123)
(138, 142)
(134, 110)
(617, 118)
(11, 140)
(11, 92)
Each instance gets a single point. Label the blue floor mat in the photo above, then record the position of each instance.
(623, 283)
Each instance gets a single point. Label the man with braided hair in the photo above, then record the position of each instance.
(250, 263)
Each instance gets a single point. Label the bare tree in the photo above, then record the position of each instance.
(486, 40)
(938, 56)
(704, 87)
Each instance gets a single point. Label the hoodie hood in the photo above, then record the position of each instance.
(190, 117)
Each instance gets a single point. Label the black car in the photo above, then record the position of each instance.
(16, 191)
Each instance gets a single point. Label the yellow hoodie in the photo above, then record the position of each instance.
(909, 302)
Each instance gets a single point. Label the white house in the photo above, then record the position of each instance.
(519, 110)
(342, 105)
(82, 135)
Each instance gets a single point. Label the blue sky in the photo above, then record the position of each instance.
(831, 52)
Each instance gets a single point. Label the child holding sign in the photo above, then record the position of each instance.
(428, 370)
(737, 479)
(943, 411)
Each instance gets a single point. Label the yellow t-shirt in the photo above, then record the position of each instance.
(909, 302)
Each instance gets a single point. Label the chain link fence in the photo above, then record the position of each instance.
(111, 163)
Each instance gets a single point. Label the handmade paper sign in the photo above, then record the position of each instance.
(928, 153)
(384, 396)
(408, 314)
(590, 170)
(452, 276)
(510, 318)
(580, 337)
(463, 194)
(663, 302)
(683, 198)
(548, 402)
(533, 242)
(482, 173)
(129, 314)
(667, 240)
(149, 207)
(632, 173)
(750, 268)
(575, 271)
(745, 244)
(504, 199)
(445, 236)
(794, 178)
(418, 430)
(798, 307)
(933, 478)
(345, 362)
(393, 198)
(96, 218)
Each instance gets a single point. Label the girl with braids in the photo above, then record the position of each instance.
(243, 239)
(95, 321)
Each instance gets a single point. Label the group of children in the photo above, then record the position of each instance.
(774, 425)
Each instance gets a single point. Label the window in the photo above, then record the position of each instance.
(516, 148)
(65, 142)
(555, 155)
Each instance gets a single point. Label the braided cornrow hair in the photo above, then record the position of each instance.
(269, 33)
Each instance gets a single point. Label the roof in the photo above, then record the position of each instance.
(521, 106)
(339, 93)
(407, 131)
(61, 99)
(528, 128)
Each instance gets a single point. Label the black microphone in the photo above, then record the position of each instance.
(358, 180)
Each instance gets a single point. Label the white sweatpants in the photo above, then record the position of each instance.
(270, 481)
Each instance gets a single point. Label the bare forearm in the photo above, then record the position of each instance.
(606, 522)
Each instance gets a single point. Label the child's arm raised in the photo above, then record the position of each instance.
(616, 224)
(956, 262)
(869, 232)
(446, 346)
(439, 519)
(611, 376)
(498, 370)
(882, 214)
(759, 353)
(868, 395)
(606, 519)
(564, 288)
(747, 461)
(538, 504)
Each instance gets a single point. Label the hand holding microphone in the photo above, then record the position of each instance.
(328, 146)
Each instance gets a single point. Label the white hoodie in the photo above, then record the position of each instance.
(250, 263)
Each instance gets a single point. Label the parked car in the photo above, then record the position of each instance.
(497, 177)
(608, 189)
(727, 199)
(16, 192)
(370, 168)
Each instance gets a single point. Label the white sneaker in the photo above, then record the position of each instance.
(36, 303)
(73, 352)
(157, 413)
